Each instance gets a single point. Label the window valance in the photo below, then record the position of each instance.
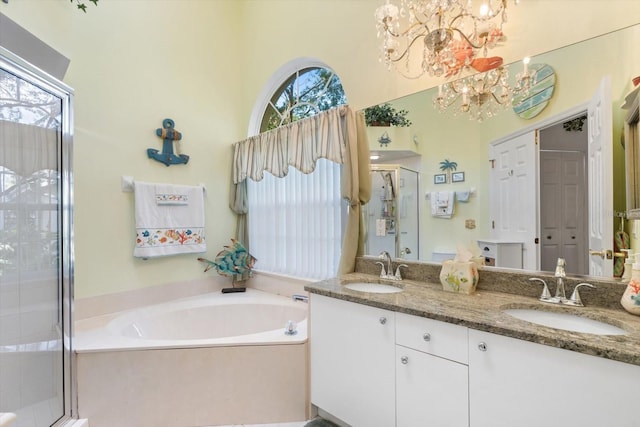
(298, 144)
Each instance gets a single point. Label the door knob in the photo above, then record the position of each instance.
(602, 254)
(383, 320)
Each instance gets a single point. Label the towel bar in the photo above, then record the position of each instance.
(472, 191)
(126, 184)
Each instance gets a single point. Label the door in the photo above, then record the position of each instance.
(563, 213)
(408, 215)
(513, 195)
(35, 245)
(600, 178)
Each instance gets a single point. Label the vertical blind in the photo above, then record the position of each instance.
(295, 222)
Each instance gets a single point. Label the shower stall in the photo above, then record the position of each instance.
(392, 214)
(36, 255)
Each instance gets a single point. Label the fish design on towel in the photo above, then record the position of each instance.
(232, 260)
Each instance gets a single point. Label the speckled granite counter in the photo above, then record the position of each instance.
(484, 311)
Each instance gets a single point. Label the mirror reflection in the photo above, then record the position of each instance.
(532, 181)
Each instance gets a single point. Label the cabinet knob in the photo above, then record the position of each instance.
(482, 346)
(404, 360)
(383, 320)
(426, 336)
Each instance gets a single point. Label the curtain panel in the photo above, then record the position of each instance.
(338, 135)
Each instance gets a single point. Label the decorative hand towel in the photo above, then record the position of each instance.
(463, 196)
(442, 204)
(169, 220)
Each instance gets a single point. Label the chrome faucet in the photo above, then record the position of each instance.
(302, 298)
(560, 275)
(561, 296)
(386, 257)
(387, 273)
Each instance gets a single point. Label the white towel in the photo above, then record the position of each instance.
(463, 196)
(168, 228)
(442, 204)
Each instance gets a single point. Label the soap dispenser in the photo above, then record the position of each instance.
(628, 265)
(631, 298)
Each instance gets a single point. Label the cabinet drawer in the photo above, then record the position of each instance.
(432, 336)
(488, 249)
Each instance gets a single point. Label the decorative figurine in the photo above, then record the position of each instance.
(168, 135)
(232, 261)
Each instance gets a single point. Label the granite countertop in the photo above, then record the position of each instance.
(483, 311)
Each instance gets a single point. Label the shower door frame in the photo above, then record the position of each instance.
(28, 72)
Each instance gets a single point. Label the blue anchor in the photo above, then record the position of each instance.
(168, 135)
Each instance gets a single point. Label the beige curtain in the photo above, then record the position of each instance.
(356, 189)
(338, 135)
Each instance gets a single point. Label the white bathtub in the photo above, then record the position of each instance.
(213, 359)
(248, 318)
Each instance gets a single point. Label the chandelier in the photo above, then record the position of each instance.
(482, 95)
(440, 38)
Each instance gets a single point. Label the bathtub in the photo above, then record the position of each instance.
(213, 359)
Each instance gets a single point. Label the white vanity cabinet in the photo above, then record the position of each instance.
(501, 253)
(431, 373)
(352, 358)
(520, 383)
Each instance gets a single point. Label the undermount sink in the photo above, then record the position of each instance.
(565, 321)
(374, 288)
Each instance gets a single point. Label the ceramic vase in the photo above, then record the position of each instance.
(631, 297)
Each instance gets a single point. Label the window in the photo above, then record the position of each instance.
(296, 222)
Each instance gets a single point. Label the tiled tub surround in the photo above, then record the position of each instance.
(498, 290)
(229, 380)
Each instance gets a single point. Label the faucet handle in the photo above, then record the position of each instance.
(575, 299)
(398, 276)
(383, 273)
(546, 295)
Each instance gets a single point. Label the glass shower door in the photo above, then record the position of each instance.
(392, 214)
(35, 252)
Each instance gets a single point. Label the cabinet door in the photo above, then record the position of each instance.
(430, 391)
(519, 383)
(352, 359)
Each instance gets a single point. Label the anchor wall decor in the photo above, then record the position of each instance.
(169, 135)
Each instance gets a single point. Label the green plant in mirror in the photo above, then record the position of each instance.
(82, 5)
(386, 115)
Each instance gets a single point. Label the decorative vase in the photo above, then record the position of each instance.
(459, 276)
(631, 299)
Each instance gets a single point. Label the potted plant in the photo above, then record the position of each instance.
(386, 115)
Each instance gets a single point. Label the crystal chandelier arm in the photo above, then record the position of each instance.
(388, 30)
(464, 36)
(406, 50)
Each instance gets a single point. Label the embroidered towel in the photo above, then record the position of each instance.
(169, 220)
(442, 203)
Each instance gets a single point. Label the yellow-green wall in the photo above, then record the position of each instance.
(203, 63)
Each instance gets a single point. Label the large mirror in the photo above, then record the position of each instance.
(436, 139)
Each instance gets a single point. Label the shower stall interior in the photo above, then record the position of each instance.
(392, 214)
(36, 257)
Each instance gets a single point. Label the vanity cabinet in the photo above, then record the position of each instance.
(377, 368)
(520, 383)
(431, 373)
(501, 253)
(352, 358)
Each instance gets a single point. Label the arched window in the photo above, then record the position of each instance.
(295, 223)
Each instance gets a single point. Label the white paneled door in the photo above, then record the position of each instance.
(600, 172)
